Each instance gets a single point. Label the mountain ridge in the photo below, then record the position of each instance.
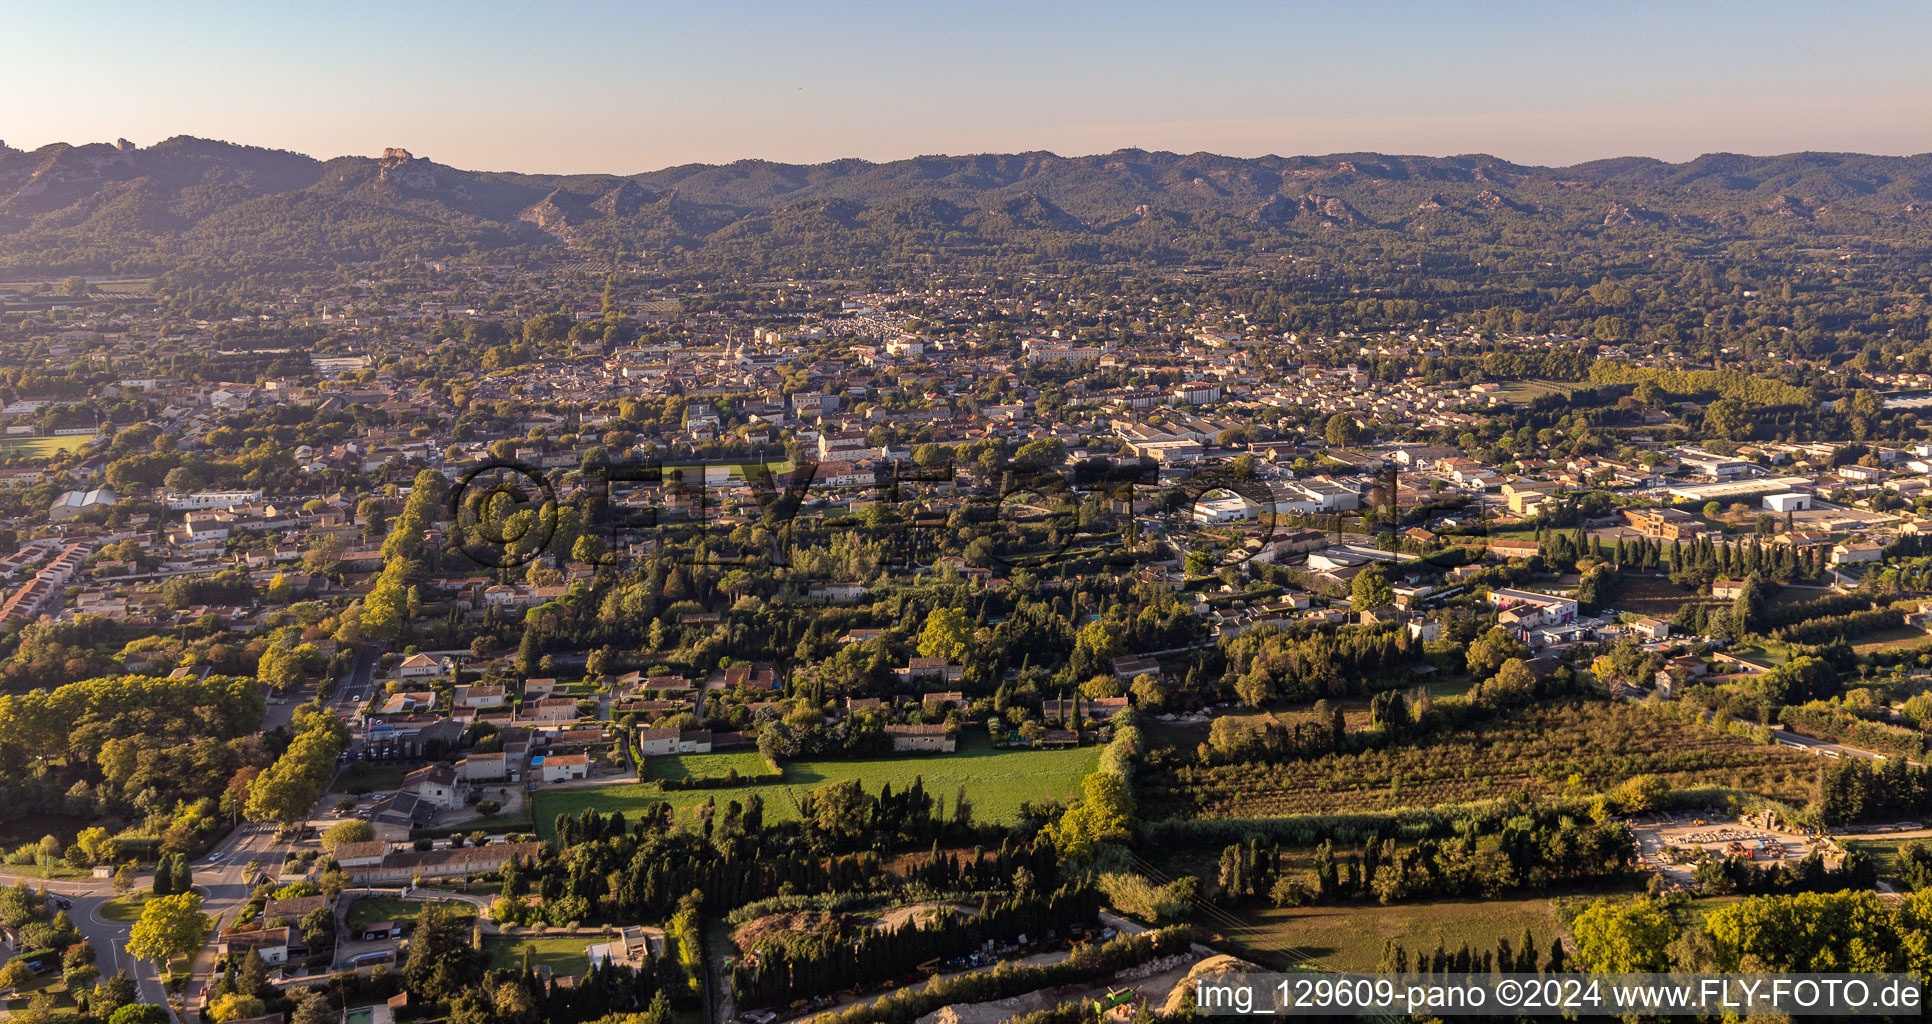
(191, 198)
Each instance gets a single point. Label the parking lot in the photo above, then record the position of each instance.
(1663, 842)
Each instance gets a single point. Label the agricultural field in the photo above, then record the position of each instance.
(996, 781)
(1583, 748)
(41, 447)
(1349, 936)
(1896, 638)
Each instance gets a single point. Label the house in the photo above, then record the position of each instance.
(634, 947)
(1077, 709)
(1726, 590)
(419, 666)
(935, 669)
(479, 696)
(837, 591)
(552, 710)
(1128, 669)
(928, 738)
(660, 742)
(562, 767)
(294, 908)
(271, 943)
(1652, 629)
(944, 701)
(491, 767)
(408, 702)
(1856, 553)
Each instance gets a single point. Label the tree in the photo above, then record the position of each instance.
(168, 927)
(1623, 937)
(1747, 609)
(1488, 653)
(347, 832)
(110, 994)
(946, 634)
(1104, 814)
(124, 880)
(15, 974)
(235, 1006)
(441, 960)
(140, 1013)
(1341, 430)
(1370, 590)
(315, 1009)
(252, 979)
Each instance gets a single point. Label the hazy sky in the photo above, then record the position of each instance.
(626, 87)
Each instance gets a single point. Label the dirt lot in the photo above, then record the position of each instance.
(1715, 835)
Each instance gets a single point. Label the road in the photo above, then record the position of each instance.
(1826, 747)
(219, 878)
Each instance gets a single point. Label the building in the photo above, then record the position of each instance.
(562, 767)
(663, 742)
(436, 784)
(1856, 552)
(419, 666)
(493, 767)
(408, 865)
(930, 669)
(271, 943)
(72, 504)
(478, 696)
(1533, 608)
(924, 738)
(1668, 523)
(1230, 508)
(1789, 501)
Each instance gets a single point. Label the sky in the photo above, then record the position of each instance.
(628, 87)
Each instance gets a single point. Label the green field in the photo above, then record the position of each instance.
(368, 911)
(1348, 936)
(41, 447)
(707, 766)
(563, 955)
(124, 908)
(996, 781)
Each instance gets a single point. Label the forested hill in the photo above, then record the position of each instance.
(189, 201)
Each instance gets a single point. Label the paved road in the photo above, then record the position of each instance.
(222, 879)
(1817, 746)
(219, 878)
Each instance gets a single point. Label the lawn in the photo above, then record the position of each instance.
(707, 766)
(564, 955)
(1884, 852)
(41, 447)
(1349, 936)
(124, 908)
(382, 908)
(996, 781)
(1648, 595)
